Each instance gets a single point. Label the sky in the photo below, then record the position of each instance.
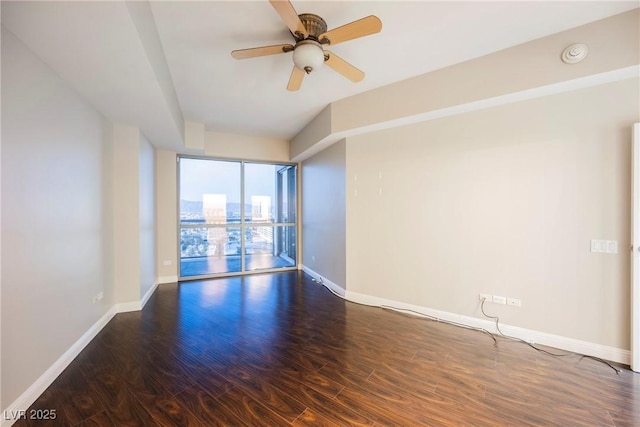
(202, 176)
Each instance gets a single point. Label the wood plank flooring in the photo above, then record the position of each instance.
(280, 350)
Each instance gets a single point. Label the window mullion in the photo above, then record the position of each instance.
(243, 233)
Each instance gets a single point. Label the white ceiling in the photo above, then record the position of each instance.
(110, 58)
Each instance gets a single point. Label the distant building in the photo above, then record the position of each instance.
(214, 211)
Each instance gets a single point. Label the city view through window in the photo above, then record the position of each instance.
(236, 216)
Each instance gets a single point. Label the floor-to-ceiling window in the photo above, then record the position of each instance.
(236, 216)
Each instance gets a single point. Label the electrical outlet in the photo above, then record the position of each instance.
(166, 263)
(486, 297)
(514, 302)
(604, 246)
(499, 299)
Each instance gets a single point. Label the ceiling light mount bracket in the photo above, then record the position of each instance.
(314, 25)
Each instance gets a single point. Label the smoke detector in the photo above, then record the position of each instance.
(574, 53)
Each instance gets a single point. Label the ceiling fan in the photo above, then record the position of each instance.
(311, 35)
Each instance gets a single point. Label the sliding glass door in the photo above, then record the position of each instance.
(236, 216)
(286, 193)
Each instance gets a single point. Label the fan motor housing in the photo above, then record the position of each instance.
(314, 25)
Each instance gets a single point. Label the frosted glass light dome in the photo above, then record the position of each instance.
(308, 56)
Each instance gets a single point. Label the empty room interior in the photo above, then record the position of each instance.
(320, 213)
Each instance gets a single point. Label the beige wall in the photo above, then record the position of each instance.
(502, 201)
(323, 213)
(126, 141)
(56, 225)
(147, 219)
(306, 142)
(232, 146)
(134, 214)
(166, 215)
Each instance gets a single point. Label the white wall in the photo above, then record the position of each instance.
(502, 201)
(147, 218)
(323, 213)
(56, 223)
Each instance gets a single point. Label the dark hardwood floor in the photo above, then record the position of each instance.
(278, 349)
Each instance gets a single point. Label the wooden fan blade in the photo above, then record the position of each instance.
(360, 28)
(289, 15)
(261, 51)
(343, 67)
(295, 81)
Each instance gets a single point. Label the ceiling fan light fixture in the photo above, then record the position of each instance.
(308, 56)
(310, 33)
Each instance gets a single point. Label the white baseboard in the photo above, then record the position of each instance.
(167, 279)
(27, 398)
(125, 307)
(569, 344)
(147, 295)
(328, 283)
(30, 395)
